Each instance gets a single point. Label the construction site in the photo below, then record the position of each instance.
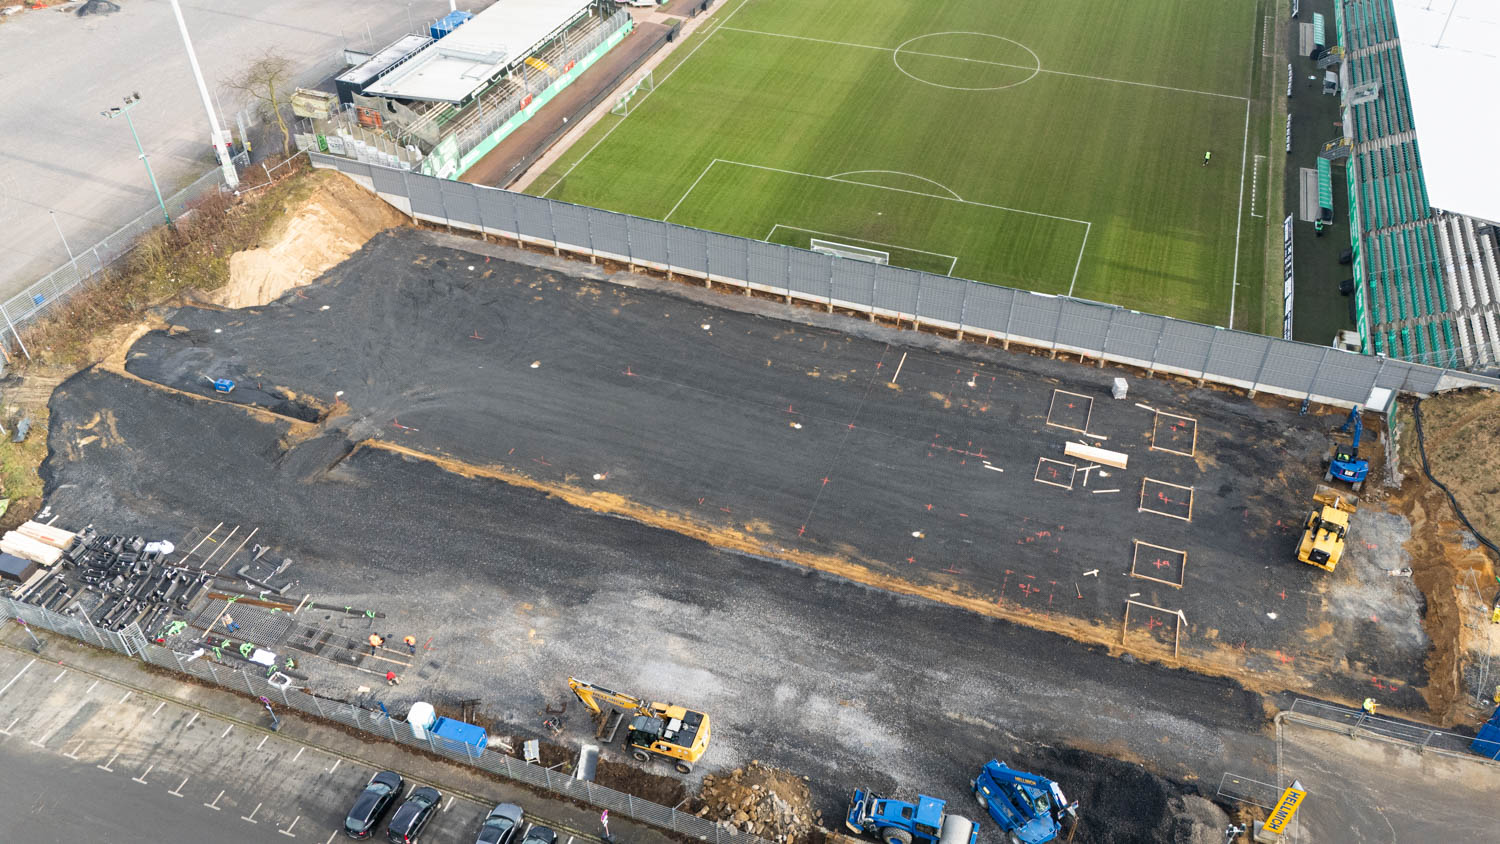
(872, 556)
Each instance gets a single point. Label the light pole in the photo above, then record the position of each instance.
(117, 111)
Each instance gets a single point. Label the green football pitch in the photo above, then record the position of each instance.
(1057, 147)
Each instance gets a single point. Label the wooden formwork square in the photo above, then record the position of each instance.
(1156, 618)
(1159, 563)
(1070, 411)
(1164, 498)
(1055, 472)
(1171, 433)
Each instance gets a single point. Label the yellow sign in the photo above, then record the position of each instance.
(1286, 807)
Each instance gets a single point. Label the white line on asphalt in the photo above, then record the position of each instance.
(142, 778)
(178, 791)
(158, 708)
(331, 836)
(74, 754)
(190, 721)
(213, 805)
(335, 765)
(91, 687)
(251, 816)
(125, 698)
(262, 742)
(17, 677)
(59, 675)
(226, 731)
(288, 831)
(299, 754)
(898, 368)
(450, 803)
(106, 765)
(12, 726)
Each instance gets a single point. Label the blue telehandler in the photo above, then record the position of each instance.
(1344, 461)
(1030, 809)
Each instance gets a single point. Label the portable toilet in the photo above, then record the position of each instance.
(420, 718)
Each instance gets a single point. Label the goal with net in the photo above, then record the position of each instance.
(857, 253)
(634, 95)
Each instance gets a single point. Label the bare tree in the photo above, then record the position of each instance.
(269, 83)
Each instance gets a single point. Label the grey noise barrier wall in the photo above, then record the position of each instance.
(1060, 324)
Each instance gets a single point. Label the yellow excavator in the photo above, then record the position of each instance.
(664, 729)
(1327, 529)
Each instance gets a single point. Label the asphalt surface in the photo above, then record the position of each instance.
(58, 154)
(914, 458)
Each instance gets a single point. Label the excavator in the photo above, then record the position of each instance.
(1344, 461)
(1326, 529)
(663, 729)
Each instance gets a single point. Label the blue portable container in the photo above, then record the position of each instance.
(448, 23)
(457, 732)
(1487, 744)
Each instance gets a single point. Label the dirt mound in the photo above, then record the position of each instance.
(762, 801)
(1462, 437)
(321, 228)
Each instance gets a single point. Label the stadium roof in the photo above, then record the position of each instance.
(1452, 83)
(454, 67)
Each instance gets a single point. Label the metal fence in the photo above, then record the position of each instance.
(1423, 737)
(131, 642)
(55, 286)
(1059, 324)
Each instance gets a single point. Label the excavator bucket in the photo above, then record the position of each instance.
(1330, 497)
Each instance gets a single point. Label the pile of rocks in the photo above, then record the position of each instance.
(762, 801)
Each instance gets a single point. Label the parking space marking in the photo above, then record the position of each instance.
(190, 721)
(226, 731)
(106, 765)
(59, 675)
(262, 742)
(331, 836)
(178, 791)
(288, 831)
(91, 687)
(12, 726)
(450, 803)
(251, 817)
(299, 753)
(335, 765)
(17, 677)
(74, 754)
(142, 778)
(42, 743)
(214, 805)
(125, 698)
(158, 708)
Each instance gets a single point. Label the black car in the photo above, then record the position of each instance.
(501, 825)
(380, 794)
(540, 835)
(413, 815)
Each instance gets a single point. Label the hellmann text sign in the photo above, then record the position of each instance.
(1286, 808)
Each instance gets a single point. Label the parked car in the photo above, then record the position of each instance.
(540, 835)
(413, 815)
(501, 825)
(380, 794)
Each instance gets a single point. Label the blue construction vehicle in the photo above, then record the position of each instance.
(899, 822)
(1030, 809)
(1344, 462)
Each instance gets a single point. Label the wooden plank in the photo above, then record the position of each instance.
(1097, 455)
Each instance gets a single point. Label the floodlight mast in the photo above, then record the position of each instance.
(220, 143)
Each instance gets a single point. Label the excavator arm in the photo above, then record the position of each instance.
(590, 695)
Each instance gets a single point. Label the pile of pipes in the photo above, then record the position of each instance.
(133, 576)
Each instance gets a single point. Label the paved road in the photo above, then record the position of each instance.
(59, 71)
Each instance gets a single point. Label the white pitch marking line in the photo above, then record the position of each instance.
(288, 831)
(125, 698)
(1239, 218)
(214, 805)
(898, 368)
(158, 708)
(262, 742)
(178, 791)
(1038, 68)
(191, 721)
(106, 765)
(952, 259)
(684, 196)
(251, 817)
(951, 192)
(91, 687)
(706, 38)
(226, 731)
(142, 778)
(1087, 227)
(59, 675)
(335, 765)
(299, 754)
(17, 677)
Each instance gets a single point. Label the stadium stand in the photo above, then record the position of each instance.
(1426, 287)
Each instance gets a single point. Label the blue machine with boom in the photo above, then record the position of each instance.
(1030, 809)
(1344, 461)
(900, 822)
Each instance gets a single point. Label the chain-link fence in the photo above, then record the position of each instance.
(1057, 323)
(1357, 720)
(133, 643)
(56, 286)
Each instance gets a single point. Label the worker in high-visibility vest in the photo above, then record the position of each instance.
(375, 643)
(1369, 706)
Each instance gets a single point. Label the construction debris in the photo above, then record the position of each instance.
(760, 800)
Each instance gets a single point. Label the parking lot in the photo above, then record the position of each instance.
(150, 769)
